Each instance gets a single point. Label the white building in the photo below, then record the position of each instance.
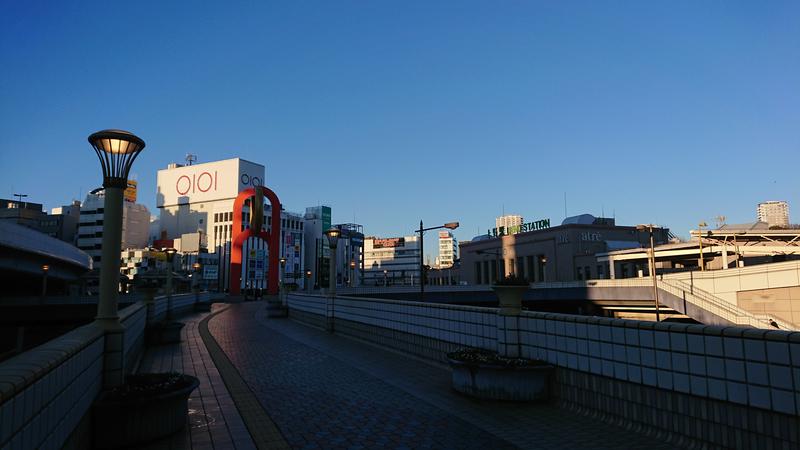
(775, 213)
(200, 197)
(391, 261)
(507, 221)
(448, 250)
(135, 224)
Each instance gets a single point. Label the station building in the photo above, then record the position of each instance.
(542, 253)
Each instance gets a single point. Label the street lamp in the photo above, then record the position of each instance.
(333, 240)
(196, 268)
(308, 281)
(700, 240)
(116, 150)
(45, 269)
(421, 231)
(385, 278)
(352, 271)
(280, 280)
(651, 261)
(170, 253)
(543, 265)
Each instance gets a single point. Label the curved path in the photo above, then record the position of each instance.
(301, 387)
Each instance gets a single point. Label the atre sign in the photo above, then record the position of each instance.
(217, 180)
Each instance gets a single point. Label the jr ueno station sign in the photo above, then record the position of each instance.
(521, 228)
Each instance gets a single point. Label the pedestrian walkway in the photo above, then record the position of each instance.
(324, 391)
(214, 421)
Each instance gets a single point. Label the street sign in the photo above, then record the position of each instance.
(210, 272)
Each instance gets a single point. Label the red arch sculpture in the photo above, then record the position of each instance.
(272, 238)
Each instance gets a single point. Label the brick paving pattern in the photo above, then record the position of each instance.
(326, 391)
(214, 421)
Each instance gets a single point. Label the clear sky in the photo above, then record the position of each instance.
(392, 112)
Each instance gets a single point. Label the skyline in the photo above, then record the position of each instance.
(391, 115)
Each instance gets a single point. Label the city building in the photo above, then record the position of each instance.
(544, 254)
(448, 250)
(774, 213)
(23, 213)
(62, 222)
(391, 261)
(199, 197)
(507, 221)
(135, 224)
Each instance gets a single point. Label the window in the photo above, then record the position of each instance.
(579, 273)
(601, 273)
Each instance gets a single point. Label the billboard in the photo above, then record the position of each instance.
(389, 243)
(130, 192)
(197, 183)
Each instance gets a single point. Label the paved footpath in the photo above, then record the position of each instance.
(320, 390)
(214, 421)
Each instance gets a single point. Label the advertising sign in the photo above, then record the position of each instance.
(207, 182)
(130, 192)
(389, 243)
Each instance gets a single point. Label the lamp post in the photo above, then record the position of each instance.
(308, 281)
(45, 269)
(333, 240)
(700, 240)
(543, 265)
(116, 150)
(421, 231)
(385, 278)
(170, 253)
(280, 280)
(352, 271)
(651, 261)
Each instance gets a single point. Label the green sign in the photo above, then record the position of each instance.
(522, 228)
(326, 218)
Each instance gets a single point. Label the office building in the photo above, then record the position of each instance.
(774, 213)
(508, 221)
(135, 224)
(448, 250)
(391, 261)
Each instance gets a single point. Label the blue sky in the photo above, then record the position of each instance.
(392, 112)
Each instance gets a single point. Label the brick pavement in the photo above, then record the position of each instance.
(214, 421)
(326, 391)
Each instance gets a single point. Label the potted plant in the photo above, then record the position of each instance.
(147, 407)
(485, 374)
(510, 290)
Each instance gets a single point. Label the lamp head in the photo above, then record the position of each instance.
(333, 236)
(196, 266)
(451, 225)
(352, 264)
(45, 267)
(116, 149)
(308, 274)
(283, 262)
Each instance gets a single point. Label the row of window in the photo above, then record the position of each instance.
(228, 216)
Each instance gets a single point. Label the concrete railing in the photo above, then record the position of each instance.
(634, 372)
(47, 391)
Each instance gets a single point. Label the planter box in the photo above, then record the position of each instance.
(135, 421)
(496, 382)
(509, 299)
(165, 333)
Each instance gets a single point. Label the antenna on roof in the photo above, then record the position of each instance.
(720, 221)
(190, 159)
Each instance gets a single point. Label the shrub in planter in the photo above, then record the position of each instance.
(145, 408)
(509, 292)
(487, 375)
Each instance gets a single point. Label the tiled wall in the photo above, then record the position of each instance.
(47, 391)
(641, 374)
